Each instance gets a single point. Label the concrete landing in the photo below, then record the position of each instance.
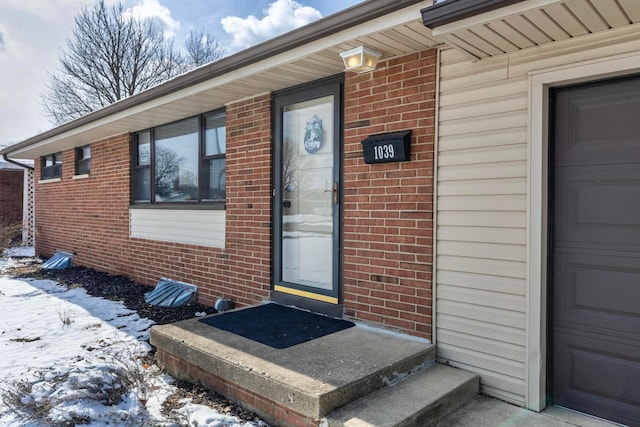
(295, 386)
(484, 411)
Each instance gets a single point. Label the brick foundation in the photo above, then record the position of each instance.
(273, 413)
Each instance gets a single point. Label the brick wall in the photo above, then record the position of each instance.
(11, 193)
(248, 240)
(90, 216)
(387, 207)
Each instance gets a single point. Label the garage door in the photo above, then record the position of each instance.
(595, 237)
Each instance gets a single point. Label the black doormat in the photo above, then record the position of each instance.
(276, 325)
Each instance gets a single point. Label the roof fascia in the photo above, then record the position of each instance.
(353, 16)
(454, 10)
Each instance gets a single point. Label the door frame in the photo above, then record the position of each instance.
(329, 303)
(540, 81)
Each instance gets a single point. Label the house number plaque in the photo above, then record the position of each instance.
(387, 147)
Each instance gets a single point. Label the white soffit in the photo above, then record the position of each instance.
(395, 34)
(535, 22)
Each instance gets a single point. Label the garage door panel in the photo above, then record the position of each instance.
(590, 292)
(598, 374)
(588, 140)
(592, 284)
(599, 152)
(599, 207)
(599, 203)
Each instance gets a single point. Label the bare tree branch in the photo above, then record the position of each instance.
(202, 48)
(110, 56)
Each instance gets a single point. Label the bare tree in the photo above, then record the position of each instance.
(110, 56)
(202, 48)
(167, 168)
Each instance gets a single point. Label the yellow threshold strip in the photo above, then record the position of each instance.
(310, 295)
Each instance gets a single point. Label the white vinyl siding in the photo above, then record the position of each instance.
(481, 219)
(482, 202)
(194, 227)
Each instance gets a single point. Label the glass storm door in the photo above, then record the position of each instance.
(307, 194)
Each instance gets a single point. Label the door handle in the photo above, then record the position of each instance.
(335, 192)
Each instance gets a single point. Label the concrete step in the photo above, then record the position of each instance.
(421, 399)
(295, 386)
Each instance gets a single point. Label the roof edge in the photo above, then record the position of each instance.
(455, 10)
(355, 15)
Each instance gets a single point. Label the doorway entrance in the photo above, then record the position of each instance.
(307, 196)
(595, 249)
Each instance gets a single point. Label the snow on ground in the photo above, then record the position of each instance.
(68, 357)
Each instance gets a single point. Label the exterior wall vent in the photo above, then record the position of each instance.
(59, 261)
(171, 293)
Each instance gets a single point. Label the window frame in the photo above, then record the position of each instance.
(136, 166)
(206, 158)
(55, 170)
(151, 202)
(83, 164)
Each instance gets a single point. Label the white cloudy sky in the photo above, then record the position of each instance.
(33, 33)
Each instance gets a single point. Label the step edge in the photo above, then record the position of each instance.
(467, 386)
(384, 377)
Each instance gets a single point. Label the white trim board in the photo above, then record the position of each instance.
(191, 227)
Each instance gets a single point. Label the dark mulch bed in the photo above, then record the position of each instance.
(118, 288)
(131, 294)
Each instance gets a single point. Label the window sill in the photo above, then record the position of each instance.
(181, 206)
(83, 176)
(50, 180)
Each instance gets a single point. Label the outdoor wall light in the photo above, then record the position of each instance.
(360, 59)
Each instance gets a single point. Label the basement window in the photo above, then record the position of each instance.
(51, 166)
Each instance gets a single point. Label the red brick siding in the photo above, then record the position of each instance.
(11, 193)
(388, 207)
(90, 216)
(248, 240)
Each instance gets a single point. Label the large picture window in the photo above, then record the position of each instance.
(181, 162)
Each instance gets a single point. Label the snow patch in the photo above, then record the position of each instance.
(69, 357)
